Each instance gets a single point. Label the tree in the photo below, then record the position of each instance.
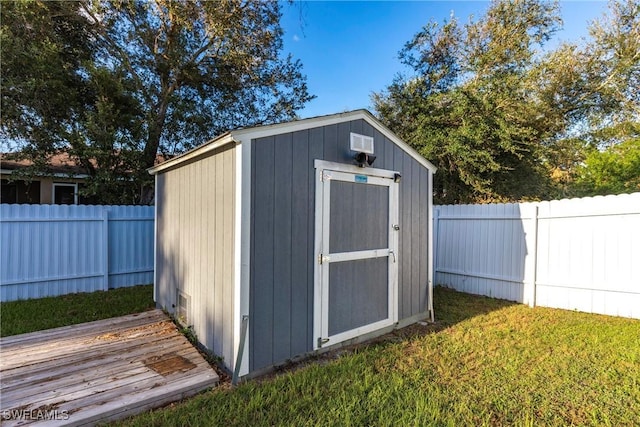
(614, 170)
(163, 76)
(501, 120)
(45, 46)
(593, 89)
(469, 106)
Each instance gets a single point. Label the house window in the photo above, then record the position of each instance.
(65, 194)
(19, 191)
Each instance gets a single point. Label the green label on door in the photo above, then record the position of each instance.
(361, 178)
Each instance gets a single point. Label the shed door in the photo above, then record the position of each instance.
(356, 279)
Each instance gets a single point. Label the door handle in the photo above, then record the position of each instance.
(391, 252)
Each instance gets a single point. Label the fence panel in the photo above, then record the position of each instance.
(49, 250)
(577, 254)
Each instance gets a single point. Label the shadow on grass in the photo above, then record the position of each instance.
(450, 307)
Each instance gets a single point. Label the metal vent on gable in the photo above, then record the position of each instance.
(361, 143)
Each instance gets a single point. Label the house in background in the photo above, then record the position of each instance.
(59, 184)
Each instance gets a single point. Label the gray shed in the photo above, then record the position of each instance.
(314, 233)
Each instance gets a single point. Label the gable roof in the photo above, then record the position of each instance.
(246, 134)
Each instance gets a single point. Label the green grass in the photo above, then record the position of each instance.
(485, 362)
(19, 317)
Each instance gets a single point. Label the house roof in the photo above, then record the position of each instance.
(246, 134)
(58, 164)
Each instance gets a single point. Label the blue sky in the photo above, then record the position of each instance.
(350, 49)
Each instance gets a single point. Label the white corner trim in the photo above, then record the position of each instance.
(430, 263)
(242, 251)
(155, 238)
(317, 269)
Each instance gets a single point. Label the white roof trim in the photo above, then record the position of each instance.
(207, 147)
(239, 135)
(47, 175)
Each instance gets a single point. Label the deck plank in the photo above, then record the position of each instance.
(112, 354)
(84, 348)
(81, 328)
(100, 371)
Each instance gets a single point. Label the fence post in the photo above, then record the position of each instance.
(435, 238)
(532, 265)
(105, 247)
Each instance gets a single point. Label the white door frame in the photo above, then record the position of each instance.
(326, 171)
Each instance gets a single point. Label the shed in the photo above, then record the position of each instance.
(314, 233)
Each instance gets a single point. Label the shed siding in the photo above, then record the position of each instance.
(195, 245)
(282, 230)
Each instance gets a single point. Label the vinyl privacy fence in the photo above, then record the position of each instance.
(576, 254)
(50, 250)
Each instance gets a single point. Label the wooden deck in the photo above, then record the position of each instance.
(98, 371)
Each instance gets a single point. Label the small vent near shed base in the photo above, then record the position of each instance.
(183, 308)
(361, 143)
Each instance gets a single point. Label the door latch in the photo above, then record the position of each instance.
(396, 227)
(391, 252)
(322, 341)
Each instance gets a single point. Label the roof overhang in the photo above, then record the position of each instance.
(46, 174)
(247, 134)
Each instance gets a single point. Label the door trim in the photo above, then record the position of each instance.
(325, 170)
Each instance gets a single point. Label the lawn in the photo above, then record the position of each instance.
(19, 317)
(485, 362)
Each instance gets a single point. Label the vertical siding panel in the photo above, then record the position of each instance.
(301, 216)
(385, 148)
(344, 143)
(195, 171)
(356, 127)
(424, 243)
(331, 143)
(407, 257)
(416, 286)
(212, 313)
(204, 299)
(219, 249)
(283, 171)
(262, 255)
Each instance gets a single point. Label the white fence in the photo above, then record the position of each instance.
(49, 250)
(577, 254)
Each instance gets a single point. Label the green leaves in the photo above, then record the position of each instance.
(503, 122)
(117, 82)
